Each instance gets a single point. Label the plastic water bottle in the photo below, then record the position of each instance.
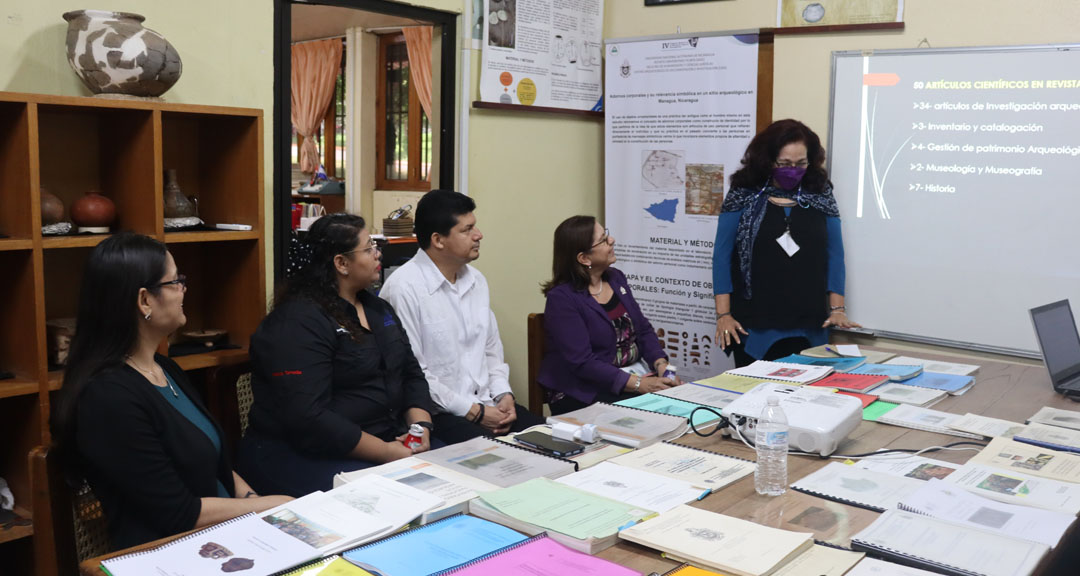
(771, 440)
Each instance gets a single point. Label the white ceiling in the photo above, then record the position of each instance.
(311, 22)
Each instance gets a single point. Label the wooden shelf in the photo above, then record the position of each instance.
(18, 386)
(56, 380)
(212, 359)
(80, 241)
(17, 532)
(210, 236)
(15, 244)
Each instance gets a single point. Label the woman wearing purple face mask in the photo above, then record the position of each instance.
(778, 260)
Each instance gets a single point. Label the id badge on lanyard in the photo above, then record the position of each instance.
(786, 241)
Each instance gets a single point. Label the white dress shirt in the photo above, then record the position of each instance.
(452, 331)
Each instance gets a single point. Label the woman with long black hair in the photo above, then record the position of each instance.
(778, 260)
(128, 420)
(336, 383)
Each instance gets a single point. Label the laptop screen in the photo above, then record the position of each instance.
(1058, 339)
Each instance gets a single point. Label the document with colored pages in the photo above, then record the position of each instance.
(438, 546)
(329, 566)
(701, 468)
(1012, 487)
(635, 487)
(672, 406)
(719, 542)
(1009, 454)
(949, 502)
(540, 556)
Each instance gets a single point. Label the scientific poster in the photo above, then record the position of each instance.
(680, 114)
(543, 53)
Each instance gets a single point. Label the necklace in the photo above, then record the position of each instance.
(597, 293)
(152, 376)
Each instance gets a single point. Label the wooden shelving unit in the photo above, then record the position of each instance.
(72, 145)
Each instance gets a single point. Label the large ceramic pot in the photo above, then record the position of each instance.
(113, 54)
(93, 211)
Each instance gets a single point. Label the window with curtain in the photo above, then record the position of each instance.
(331, 134)
(403, 133)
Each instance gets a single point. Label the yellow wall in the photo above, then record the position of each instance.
(226, 47)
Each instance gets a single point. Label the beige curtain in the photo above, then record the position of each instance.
(315, 67)
(418, 44)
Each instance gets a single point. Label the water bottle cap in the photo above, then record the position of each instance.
(773, 401)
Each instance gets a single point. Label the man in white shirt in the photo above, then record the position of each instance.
(443, 302)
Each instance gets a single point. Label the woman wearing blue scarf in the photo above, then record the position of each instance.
(778, 260)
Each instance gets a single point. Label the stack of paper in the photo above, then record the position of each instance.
(721, 542)
(439, 546)
(1013, 487)
(917, 467)
(913, 395)
(947, 502)
(873, 567)
(1053, 437)
(1011, 455)
(454, 489)
(937, 366)
(731, 383)
(844, 364)
(536, 556)
(946, 547)
(780, 372)
(895, 372)
(851, 351)
(635, 487)
(578, 519)
(497, 463)
(626, 426)
(924, 419)
(701, 468)
(951, 383)
(857, 486)
(861, 383)
(698, 394)
(1055, 417)
(986, 426)
(673, 407)
(243, 543)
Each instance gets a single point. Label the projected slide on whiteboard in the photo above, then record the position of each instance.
(958, 178)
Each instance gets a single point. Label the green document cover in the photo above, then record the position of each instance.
(877, 410)
(673, 406)
(563, 509)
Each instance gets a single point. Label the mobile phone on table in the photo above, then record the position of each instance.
(549, 445)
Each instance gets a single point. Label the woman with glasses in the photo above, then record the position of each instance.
(335, 381)
(778, 259)
(599, 347)
(128, 420)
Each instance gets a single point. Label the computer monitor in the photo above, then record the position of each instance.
(1059, 342)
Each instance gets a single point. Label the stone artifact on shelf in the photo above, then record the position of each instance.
(59, 331)
(112, 53)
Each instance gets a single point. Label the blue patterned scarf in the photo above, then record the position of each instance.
(753, 203)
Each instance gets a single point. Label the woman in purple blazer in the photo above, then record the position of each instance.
(594, 328)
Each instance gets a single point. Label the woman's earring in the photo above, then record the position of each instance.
(589, 267)
(147, 317)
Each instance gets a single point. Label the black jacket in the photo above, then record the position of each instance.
(146, 462)
(319, 390)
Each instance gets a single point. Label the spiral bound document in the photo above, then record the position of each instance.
(329, 566)
(947, 548)
(245, 543)
(538, 556)
(624, 425)
(858, 487)
(688, 570)
(498, 463)
(702, 468)
(434, 548)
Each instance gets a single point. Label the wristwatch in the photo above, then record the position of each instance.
(428, 425)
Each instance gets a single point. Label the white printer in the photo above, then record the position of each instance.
(818, 419)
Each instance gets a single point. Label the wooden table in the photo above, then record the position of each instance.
(1002, 390)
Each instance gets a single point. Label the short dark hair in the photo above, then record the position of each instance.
(572, 237)
(437, 213)
(761, 154)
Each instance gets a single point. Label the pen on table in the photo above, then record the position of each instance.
(833, 350)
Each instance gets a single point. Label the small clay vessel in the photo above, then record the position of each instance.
(93, 211)
(52, 208)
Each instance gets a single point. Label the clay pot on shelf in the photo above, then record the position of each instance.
(93, 212)
(176, 204)
(112, 53)
(52, 208)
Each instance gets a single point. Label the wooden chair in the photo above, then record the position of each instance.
(536, 354)
(69, 524)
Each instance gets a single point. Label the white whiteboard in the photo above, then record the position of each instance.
(957, 172)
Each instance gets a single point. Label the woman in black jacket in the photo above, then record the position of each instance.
(128, 420)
